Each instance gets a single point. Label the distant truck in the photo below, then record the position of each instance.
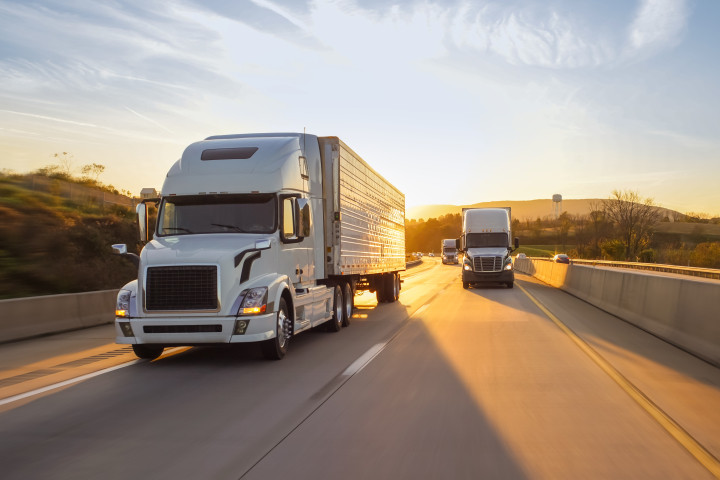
(258, 238)
(486, 244)
(449, 250)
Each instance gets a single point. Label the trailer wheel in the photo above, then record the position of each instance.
(348, 303)
(381, 289)
(276, 348)
(395, 287)
(148, 352)
(336, 322)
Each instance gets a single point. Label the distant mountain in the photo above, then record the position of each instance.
(521, 209)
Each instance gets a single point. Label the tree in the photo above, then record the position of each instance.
(65, 163)
(634, 218)
(93, 171)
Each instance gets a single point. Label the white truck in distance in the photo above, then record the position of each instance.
(449, 250)
(259, 237)
(485, 242)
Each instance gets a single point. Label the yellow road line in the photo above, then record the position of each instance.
(707, 459)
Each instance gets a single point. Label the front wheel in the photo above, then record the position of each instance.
(510, 284)
(148, 352)
(276, 348)
(466, 285)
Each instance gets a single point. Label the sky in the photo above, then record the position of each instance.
(454, 102)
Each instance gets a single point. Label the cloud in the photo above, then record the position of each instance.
(657, 24)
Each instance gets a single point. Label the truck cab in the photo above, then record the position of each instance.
(486, 245)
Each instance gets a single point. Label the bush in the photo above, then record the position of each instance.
(706, 255)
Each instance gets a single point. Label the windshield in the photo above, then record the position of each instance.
(448, 250)
(217, 214)
(479, 240)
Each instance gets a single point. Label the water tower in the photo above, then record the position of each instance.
(557, 205)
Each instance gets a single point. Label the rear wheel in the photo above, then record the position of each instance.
(336, 322)
(395, 287)
(276, 348)
(348, 303)
(148, 352)
(381, 289)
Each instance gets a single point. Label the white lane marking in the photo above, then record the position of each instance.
(65, 383)
(55, 386)
(364, 359)
(367, 357)
(420, 310)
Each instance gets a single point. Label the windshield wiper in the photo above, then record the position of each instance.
(177, 228)
(231, 227)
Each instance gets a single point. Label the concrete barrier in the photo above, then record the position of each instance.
(30, 317)
(682, 311)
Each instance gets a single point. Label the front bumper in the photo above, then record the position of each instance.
(195, 330)
(503, 276)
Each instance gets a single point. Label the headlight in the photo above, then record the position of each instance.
(122, 307)
(508, 266)
(466, 264)
(254, 301)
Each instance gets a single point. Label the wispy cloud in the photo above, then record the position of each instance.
(657, 24)
(148, 119)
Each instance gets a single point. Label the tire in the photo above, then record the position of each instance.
(147, 352)
(395, 287)
(336, 322)
(348, 303)
(466, 285)
(510, 284)
(276, 348)
(380, 289)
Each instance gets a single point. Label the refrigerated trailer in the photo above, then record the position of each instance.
(259, 237)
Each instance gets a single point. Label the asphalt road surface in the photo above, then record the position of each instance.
(490, 382)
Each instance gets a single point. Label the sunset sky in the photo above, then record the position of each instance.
(455, 102)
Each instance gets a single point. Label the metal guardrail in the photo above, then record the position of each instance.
(655, 267)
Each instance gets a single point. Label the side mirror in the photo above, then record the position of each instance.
(302, 207)
(121, 249)
(517, 243)
(142, 219)
(458, 244)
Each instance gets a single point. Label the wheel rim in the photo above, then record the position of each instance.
(283, 328)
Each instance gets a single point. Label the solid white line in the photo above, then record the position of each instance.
(65, 383)
(55, 386)
(364, 359)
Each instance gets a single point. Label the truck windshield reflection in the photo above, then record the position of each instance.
(225, 213)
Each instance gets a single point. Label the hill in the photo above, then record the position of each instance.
(521, 209)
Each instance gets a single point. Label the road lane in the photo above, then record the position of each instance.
(204, 413)
(476, 383)
(481, 385)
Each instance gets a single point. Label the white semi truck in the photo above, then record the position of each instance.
(486, 244)
(449, 251)
(259, 237)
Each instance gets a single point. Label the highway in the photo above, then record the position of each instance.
(522, 383)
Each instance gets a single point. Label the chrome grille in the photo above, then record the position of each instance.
(487, 264)
(181, 288)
